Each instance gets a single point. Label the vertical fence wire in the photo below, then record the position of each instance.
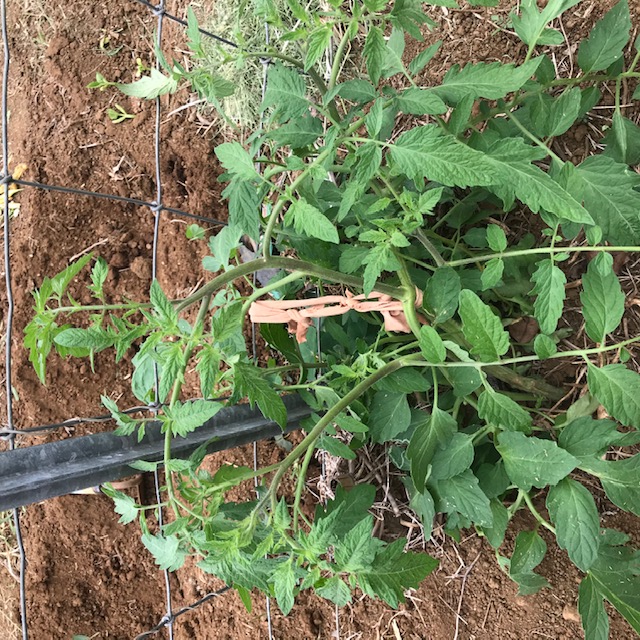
(156, 211)
(6, 181)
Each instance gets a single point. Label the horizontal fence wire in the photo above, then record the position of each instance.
(154, 206)
(192, 607)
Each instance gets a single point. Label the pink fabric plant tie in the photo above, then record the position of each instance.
(299, 314)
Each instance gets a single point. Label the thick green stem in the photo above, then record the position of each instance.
(338, 59)
(538, 250)
(429, 246)
(279, 206)
(324, 422)
(288, 264)
(534, 139)
(272, 286)
(536, 513)
(133, 306)
(409, 299)
(531, 385)
(302, 477)
(175, 396)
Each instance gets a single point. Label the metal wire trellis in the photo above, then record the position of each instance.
(6, 180)
(157, 207)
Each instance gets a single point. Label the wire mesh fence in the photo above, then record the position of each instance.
(10, 432)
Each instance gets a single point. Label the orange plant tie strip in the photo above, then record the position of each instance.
(299, 314)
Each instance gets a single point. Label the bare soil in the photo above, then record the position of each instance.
(87, 574)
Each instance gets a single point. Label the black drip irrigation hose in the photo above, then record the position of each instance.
(40, 472)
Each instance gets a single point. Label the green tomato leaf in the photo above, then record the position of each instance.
(552, 117)
(236, 160)
(124, 505)
(586, 438)
(442, 293)
(221, 246)
(244, 207)
(492, 80)
(503, 412)
(607, 40)
(618, 389)
(93, 338)
(620, 480)
(615, 576)
(335, 590)
(495, 534)
(298, 133)
(593, 615)
(533, 462)
(431, 434)
(162, 306)
(375, 53)
(573, 511)
(456, 457)
(529, 551)
(609, 192)
(285, 93)
(250, 383)
(358, 548)
(602, 298)
(492, 273)
(544, 346)
(317, 43)
(389, 416)
(380, 258)
(149, 87)
(482, 328)
(393, 572)
(189, 416)
(425, 56)
(515, 175)
(284, 586)
(427, 152)
(335, 447)
(165, 550)
(549, 288)
(357, 90)
(531, 24)
(496, 238)
(310, 221)
(462, 494)
(431, 345)
(623, 141)
(420, 102)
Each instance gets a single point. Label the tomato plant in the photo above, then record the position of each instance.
(347, 198)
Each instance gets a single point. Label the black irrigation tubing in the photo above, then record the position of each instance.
(108, 196)
(192, 607)
(44, 471)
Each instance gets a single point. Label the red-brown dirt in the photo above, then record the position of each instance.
(87, 574)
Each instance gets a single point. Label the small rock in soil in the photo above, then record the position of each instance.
(570, 613)
(141, 267)
(118, 261)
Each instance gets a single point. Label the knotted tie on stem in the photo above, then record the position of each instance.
(299, 314)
